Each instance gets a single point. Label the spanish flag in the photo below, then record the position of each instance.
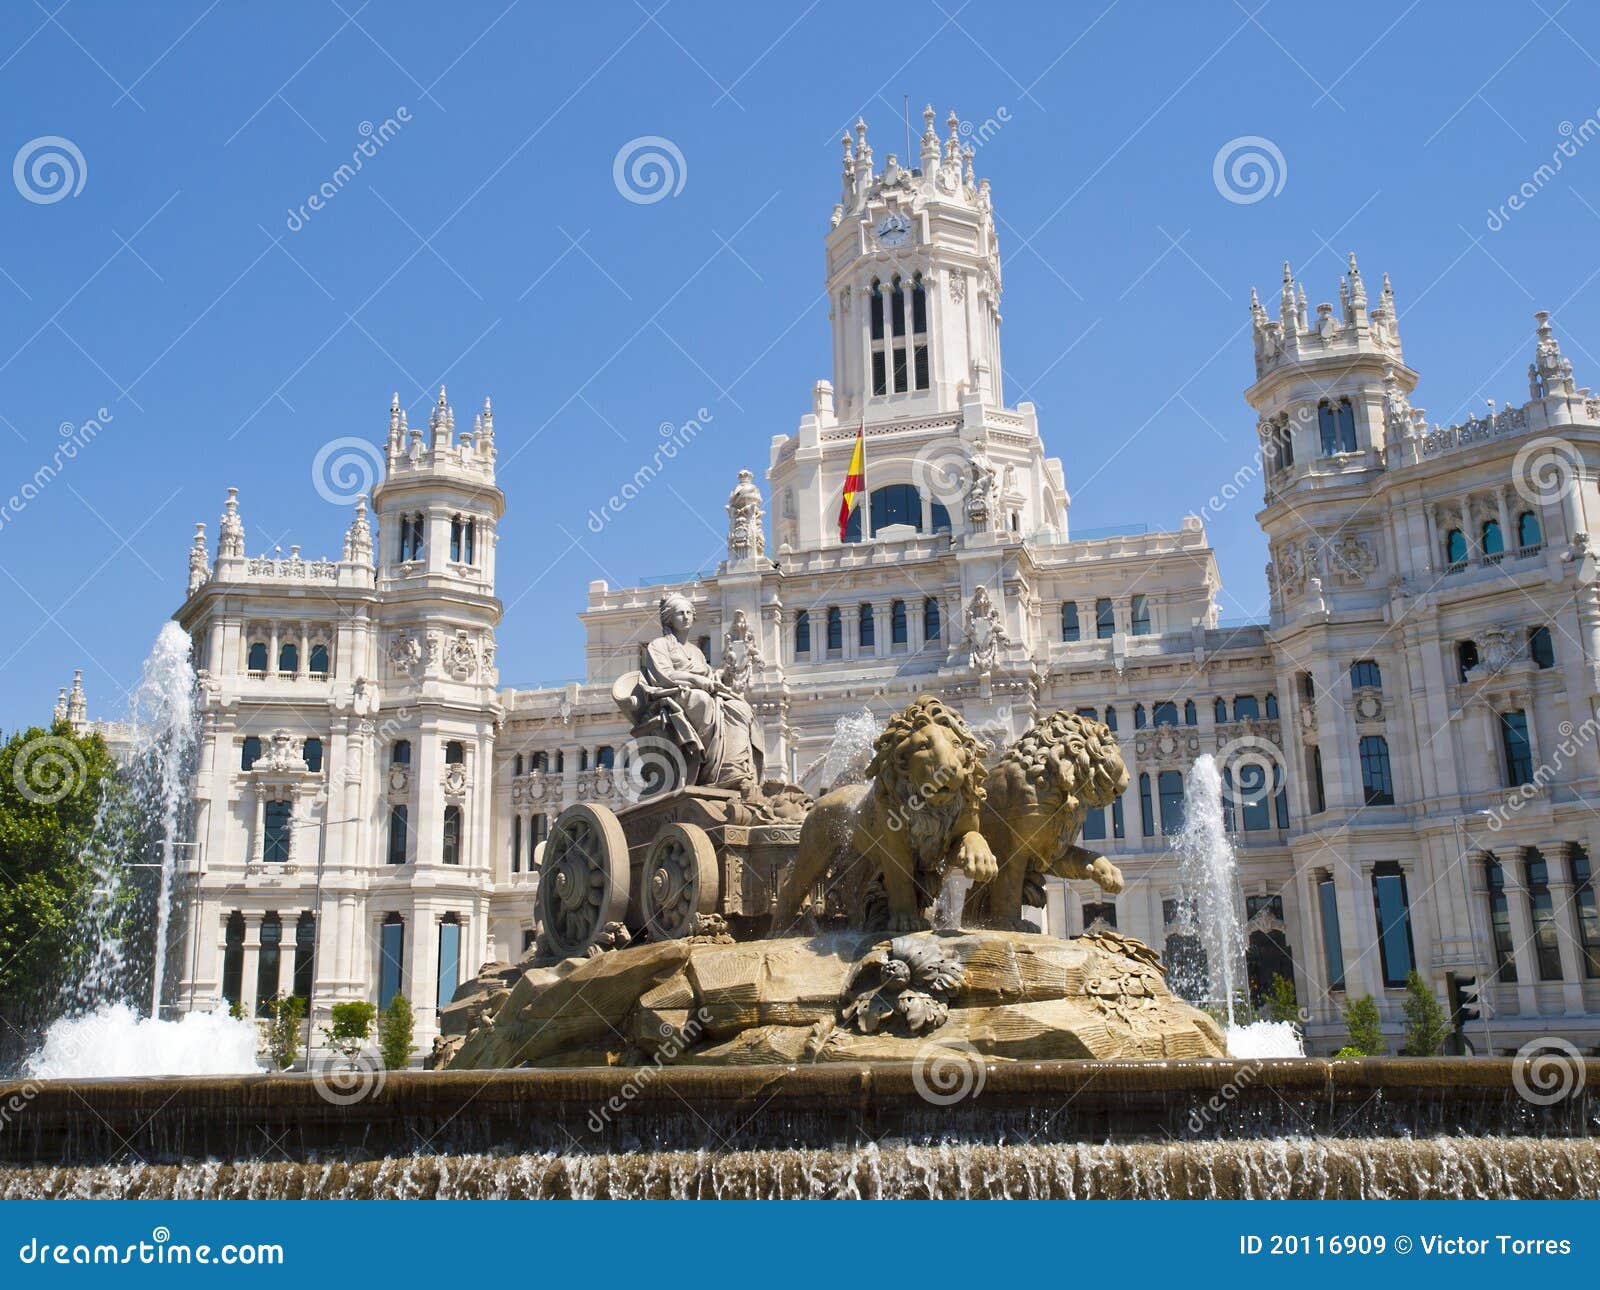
(854, 480)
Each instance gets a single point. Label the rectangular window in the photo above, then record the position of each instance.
(1517, 747)
(1169, 787)
(897, 623)
(391, 964)
(879, 372)
(233, 959)
(1588, 916)
(920, 361)
(268, 964)
(1319, 795)
(305, 948)
(1118, 828)
(1094, 825)
(1141, 616)
(1377, 787)
(1105, 619)
(835, 630)
(276, 819)
(900, 384)
(1394, 924)
(1104, 911)
(449, 960)
(1500, 924)
(516, 844)
(1542, 906)
(1147, 815)
(1332, 945)
(397, 834)
(451, 841)
(1069, 621)
(1255, 790)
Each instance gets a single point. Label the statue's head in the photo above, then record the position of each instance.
(677, 612)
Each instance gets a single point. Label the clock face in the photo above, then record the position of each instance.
(893, 230)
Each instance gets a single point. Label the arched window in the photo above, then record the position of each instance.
(454, 753)
(896, 504)
(305, 949)
(1111, 718)
(898, 633)
(250, 752)
(561, 761)
(1169, 789)
(289, 657)
(391, 959)
(880, 371)
(256, 661)
(1219, 712)
(1492, 541)
(400, 753)
(1190, 716)
(835, 628)
(605, 758)
(919, 333)
(463, 539)
(1529, 533)
(311, 754)
(930, 619)
(412, 527)
(1090, 713)
(233, 959)
(276, 820)
(541, 762)
(1455, 547)
(1253, 795)
(1245, 708)
(1141, 616)
(583, 759)
(1164, 714)
(1272, 707)
(1466, 658)
(802, 632)
(1139, 721)
(866, 627)
(1069, 621)
(319, 659)
(1347, 426)
(1365, 675)
(1541, 648)
(940, 522)
(1105, 619)
(1377, 785)
(452, 834)
(399, 824)
(269, 963)
(1327, 428)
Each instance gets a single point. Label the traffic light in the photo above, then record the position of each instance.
(1466, 1000)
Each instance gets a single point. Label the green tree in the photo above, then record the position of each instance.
(352, 1025)
(1282, 1003)
(1427, 1023)
(395, 1029)
(1365, 1028)
(53, 785)
(283, 1031)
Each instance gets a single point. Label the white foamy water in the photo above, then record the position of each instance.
(1265, 1039)
(114, 1040)
(1208, 874)
(847, 757)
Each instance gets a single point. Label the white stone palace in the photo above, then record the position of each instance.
(370, 800)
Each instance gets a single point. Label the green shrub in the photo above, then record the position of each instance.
(1365, 1027)
(395, 1029)
(1348, 1051)
(1427, 1023)
(1282, 1004)
(352, 1026)
(283, 1030)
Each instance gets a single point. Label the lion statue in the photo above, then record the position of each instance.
(916, 815)
(1064, 766)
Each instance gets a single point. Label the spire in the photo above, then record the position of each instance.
(967, 175)
(1286, 311)
(199, 565)
(358, 538)
(77, 702)
(952, 145)
(930, 143)
(1301, 314)
(486, 427)
(442, 421)
(230, 532)
(1550, 373)
(848, 180)
(1258, 315)
(59, 713)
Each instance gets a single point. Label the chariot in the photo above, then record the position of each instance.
(693, 861)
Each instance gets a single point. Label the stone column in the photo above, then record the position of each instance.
(1559, 868)
(302, 665)
(1507, 537)
(1521, 932)
(272, 650)
(251, 963)
(915, 625)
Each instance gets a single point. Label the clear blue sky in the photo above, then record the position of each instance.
(488, 242)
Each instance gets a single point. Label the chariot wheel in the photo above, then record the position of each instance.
(681, 879)
(583, 883)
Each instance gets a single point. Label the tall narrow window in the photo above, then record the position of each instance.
(1332, 945)
(1517, 747)
(1455, 547)
(1118, 828)
(449, 958)
(1347, 426)
(305, 951)
(249, 752)
(452, 834)
(802, 632)
(1069, 621)
(398, 824)
(1190, 716)
(256, 661)
(276, 820)
(269, 963)
(516, 844)
(311, 754)
(1147, 814)
(835, 628)
(1255, 793)
(470, 533)
(1541, 905)
(289, 658)
(939, 517)
(897, 325)
(1364, 675)
(1111, 718)
(1272, 707)
(391, 959)
(1140, 622)
(1583, 902)
(1169, 787)
(1394, 924)
(400, 753)
(455, 539)
(1491, 541)
(898, 633)
(1319, 794)
(930, 619)
(1327, 429)
(1105, 619)
(1529, 533)
(416, 537)
(1219, 712)
(1466, 658)
(319, 659)
(455, 753)
(233, 959)
(866, 628)
(1377, 785)
(1505, 956)
(919, 333)
(1541, 649)
(880, 378)
(1140, 720)
(1094, 824)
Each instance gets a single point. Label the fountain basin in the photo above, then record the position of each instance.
(1302, 1128)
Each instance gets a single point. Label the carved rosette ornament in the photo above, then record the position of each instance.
(1368, 704)
(907, 984)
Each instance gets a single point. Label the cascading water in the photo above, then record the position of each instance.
(848, 754)
(1208, 874)
(99, 1032)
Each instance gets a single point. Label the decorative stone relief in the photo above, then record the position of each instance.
(461, 660)
(741, 654)
(199, 565)
(1368, 704)
(1176, 746)
(455, 779)
(746, 536)
(1353, 560)
(986, 636)
(405, 652)
(910, 979)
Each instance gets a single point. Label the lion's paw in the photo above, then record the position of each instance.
(1106, 876)
(901, 923)
(976, 859)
